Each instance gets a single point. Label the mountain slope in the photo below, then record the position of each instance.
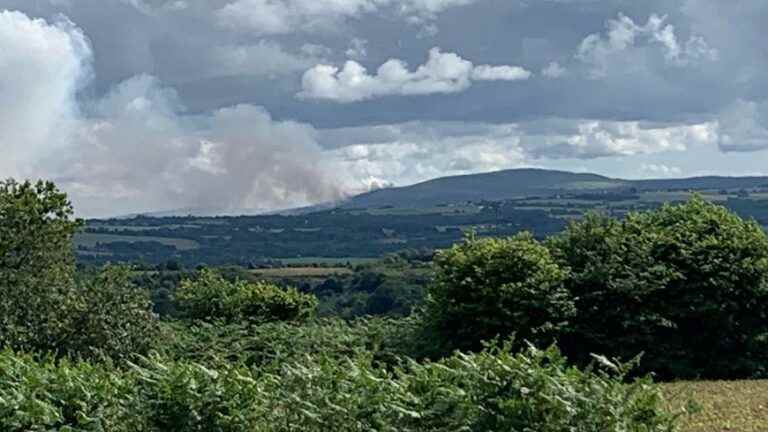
(527, 182)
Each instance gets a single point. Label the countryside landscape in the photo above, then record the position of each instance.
(383, 216)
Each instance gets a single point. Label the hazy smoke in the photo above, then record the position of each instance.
(135, 149)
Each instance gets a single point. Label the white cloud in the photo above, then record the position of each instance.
(499, 73)
(42, 65)
(623, 34)
(593, 138)
(412, 152)
(554, 70)
(442, 73)
(292, 16)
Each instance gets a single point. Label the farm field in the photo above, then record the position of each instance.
(301, 271)
(308, 261)
(725, 406)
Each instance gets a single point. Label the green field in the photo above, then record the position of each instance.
(301, 271)
(90, 240)
(739, 406)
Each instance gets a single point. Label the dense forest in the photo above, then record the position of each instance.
(516, 333)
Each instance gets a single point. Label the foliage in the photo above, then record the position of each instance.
(491, 390)
(686, 284)
(486, 288)
(36, 265)
(47, 395)
(211, 297)
(111, 317)
(281, 342)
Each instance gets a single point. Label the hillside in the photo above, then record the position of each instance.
(529, 182)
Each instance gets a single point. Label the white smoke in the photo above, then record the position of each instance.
(135, 149)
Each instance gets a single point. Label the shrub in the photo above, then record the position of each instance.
(490, 287)
(112, 317)
(47, 395)
(686, 284)
(492, 390)
(280, 342)
(210, 298)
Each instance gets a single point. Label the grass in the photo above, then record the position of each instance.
(732, 406)
(90, 240)
(301, 271)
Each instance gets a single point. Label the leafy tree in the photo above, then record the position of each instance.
(42, 307)
(685, 284)
(211, 297)
(485, 288)
(36, 264)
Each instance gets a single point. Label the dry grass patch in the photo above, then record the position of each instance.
(732, 406)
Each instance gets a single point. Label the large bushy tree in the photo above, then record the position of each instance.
(42, 307)
(485, 288)
(36, 263)
(686, 284)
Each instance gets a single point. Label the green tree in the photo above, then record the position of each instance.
(42, 307)
(496, 287)
(211, 297)
(686, 284)
(36, 263)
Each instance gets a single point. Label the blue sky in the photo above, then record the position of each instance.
(137, 105)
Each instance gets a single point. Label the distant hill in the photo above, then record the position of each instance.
(529, 182)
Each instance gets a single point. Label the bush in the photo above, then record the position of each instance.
(47, 395)
(497, 287)
(281, 342)
(686, 284)
(112, 317)
(211, 298)
(492, 390)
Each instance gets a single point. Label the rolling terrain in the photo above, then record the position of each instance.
(429, 215)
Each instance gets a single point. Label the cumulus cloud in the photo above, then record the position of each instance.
(270, 17)
(42, 66)
(442, 73)
(135, 148)
(623, 34)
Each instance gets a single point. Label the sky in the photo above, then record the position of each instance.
(244, 105)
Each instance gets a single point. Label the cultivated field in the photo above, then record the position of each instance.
(302, 271)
